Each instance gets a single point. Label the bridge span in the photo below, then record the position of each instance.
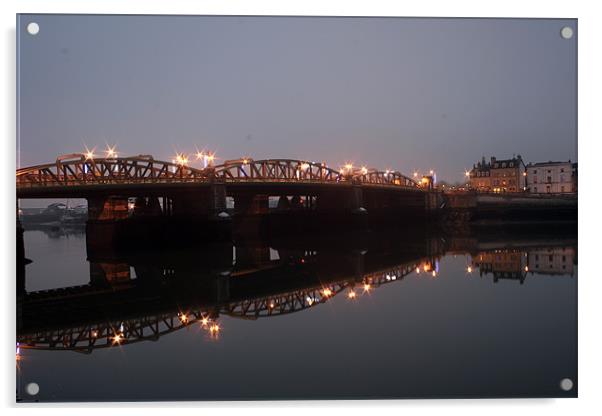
(174, 189)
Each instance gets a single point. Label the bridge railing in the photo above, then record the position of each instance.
(144, 170)
(108, 171)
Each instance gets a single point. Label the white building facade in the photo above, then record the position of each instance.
(559, 260)
(550, 178)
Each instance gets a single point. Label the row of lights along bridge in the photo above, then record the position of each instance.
(207, 159)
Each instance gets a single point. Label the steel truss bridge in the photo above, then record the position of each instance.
(89, 337)
(77, 171)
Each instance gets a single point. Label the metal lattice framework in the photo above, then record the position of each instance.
(109, 334)
(103, 335)
(278, 170)
(392, 178)
(80, 170)
(283, 304)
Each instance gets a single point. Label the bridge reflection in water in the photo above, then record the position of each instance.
(133, 297)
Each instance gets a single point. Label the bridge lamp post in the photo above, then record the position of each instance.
(209, 159)
(347, 169)
(111, 153)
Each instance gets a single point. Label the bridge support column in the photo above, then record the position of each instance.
(218, 196)
(283, 203)
(222, 287)
(252, 255)
(149, 207)
(251, 204)
(113, 274)
(108, 208)
(205, 202)
(348, 199)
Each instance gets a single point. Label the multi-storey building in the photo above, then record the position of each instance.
(502, 264)
(551, 178)
(480, 176)
(575, 177)
(558, 260)
(506, 175)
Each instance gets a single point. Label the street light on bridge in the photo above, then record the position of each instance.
(89, 154)
(111, 153)
(181, 159)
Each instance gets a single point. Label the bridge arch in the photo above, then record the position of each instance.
(276, 170)
(392, 178)
(71, 170)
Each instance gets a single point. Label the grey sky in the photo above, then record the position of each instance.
(386, 92)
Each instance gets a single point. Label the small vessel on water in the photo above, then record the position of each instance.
(75, 215)
(55, 215)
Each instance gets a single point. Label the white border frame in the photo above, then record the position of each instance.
(590, 286)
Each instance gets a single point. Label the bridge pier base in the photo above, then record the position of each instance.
(345, 200)
(251, 204)
(107, 208)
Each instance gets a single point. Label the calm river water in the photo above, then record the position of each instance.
(379, 317)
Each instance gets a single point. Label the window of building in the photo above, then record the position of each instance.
(511, 164)
(549, 171)
(549, 179)
(535, 172)
(551, 257)
(534, 179)
(562, 189)
(537, 257)
(548, 189)
(561, 170)
(535, 189)
(504, 164)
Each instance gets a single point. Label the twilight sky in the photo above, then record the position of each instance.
(400, 93)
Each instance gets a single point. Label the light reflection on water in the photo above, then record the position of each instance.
(446, 318)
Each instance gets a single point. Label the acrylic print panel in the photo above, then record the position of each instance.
(226, 207)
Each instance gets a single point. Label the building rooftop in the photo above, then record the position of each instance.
(549, 163)
(485, 166)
